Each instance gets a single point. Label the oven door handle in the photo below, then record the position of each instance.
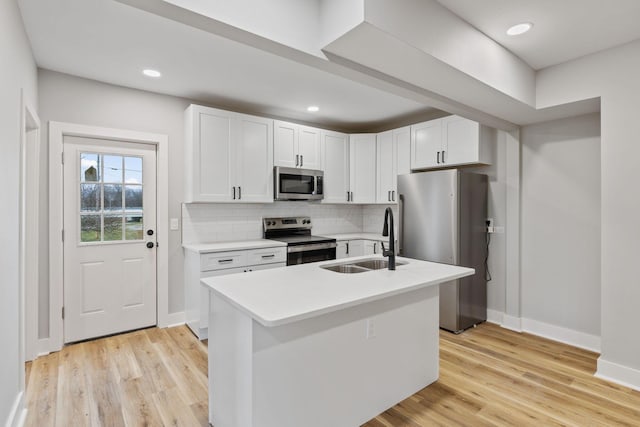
(311, 247)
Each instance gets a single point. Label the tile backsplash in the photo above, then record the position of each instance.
(210, 222)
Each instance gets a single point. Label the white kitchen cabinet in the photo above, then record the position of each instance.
(387, 177)
(371, 247)
(335, 158)
(228, 156)
(449, 141)
(296, 146)
(208, 264)
(362, 168)
(342, 249)
(402, 141)
(357, 247)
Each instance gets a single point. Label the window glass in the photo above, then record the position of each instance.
(113, 227)
(89, 197)
(89, 167)
(133, 170)
(112, 168)
(90, 228)
(133, 197)
(133, 227)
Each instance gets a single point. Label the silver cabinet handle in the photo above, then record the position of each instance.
(225, 261)
(301, 160)
(375, 248)
(239, 193)
(297, 159)
(443, 156)
(348, 197)
(268, 256)
(438, 157)
(393, 195)
(234, 193)
(352, 196)
(347, 245)
(389, 196)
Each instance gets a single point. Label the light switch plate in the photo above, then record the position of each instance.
(175, 224)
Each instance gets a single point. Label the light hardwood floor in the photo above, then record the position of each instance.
(489, 376)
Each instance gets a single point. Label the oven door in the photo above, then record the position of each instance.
(304, 254)
(297, 184)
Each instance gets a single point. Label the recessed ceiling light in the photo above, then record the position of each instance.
(519, 29)
(151, 73)
(313, 108)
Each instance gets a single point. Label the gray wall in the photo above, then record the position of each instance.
(561, 223)
(71, 99)
(17, 74)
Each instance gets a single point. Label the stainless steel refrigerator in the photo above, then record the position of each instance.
(443, 219)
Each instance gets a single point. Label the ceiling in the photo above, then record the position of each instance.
(112, 42)
(563, 29)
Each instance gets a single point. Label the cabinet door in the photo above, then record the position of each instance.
(209, 155)
(362, 167)
(371, 247)
(386, 167)
(254, 159)
(402, 141)
(356, 248)
(335, 158)
(309, 148)
(341, 250)
(285, 144)
(460, 138)
(426, 144)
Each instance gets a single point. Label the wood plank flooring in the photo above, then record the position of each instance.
(489, 376)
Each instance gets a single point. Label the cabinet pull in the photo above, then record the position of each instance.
(301, 160)
(297, 159)
(239, 193)
(393, 195)
(347, 196)
(438, 157)
(225, 261)
(347, 245)
(352, 196)
(375, 246)
(234, 193)
(443, 156)
(389, 196)
(268, 256)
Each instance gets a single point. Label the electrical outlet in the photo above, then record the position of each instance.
(371, 332)
(490, 226)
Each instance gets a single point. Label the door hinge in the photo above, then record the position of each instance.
(63, 313)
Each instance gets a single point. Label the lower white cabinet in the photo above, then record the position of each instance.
(359, 247)
(199, 265)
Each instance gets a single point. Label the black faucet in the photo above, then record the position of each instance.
(388, 225)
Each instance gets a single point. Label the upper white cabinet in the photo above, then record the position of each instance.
(335, 158)
(387, 165)
(402, 141)
(362, 168)
(228, 156)
(296, 146)
(449, 141)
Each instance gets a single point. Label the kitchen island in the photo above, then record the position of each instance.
(307, 346)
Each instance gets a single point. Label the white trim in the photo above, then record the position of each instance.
(495, 316)
(619, 374)
(564, 335)
(43, 347)
(512, 323)
(57, 132)
(18, 413)
(176, 319)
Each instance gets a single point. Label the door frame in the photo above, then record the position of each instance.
(57, 132)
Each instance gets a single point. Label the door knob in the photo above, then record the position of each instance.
(150, 245)
(150, 232)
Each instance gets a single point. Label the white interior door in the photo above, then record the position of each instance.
(109, 237)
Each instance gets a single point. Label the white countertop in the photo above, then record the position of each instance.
(289, 294)
(357, 236)
(237, 245)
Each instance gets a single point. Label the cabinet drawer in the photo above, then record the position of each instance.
(266, 256)
(221, 260)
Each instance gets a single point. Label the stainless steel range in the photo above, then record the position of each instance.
(302, 247)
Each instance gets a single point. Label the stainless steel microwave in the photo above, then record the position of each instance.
(297, 184)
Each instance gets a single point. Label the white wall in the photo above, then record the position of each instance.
(561, 223)
(71, 99)
(17, 72)
(613, 75)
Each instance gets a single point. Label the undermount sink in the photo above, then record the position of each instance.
(362, 266)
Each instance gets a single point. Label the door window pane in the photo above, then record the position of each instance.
(112, 168)
(109, 209)
(90, 228)
(133, 227)
(113, 227)
(89, 197)
(133, 170)
(112, 197)
(89, 167)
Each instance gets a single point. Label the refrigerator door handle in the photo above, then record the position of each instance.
(400, 223)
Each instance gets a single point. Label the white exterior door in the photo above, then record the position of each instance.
(109, 237)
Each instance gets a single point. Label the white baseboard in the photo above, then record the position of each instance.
(495, 316)
(43, 347)
(564, 335)
(510, 322)
(176, 319)
(623, 375)
(18, 413)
